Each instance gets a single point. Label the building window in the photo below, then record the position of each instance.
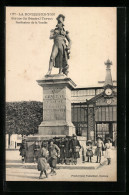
(106, 113)
(79, 119)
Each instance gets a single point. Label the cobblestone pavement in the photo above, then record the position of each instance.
(103, 173)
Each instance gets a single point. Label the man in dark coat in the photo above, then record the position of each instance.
(67, 150)
(54, 152)
(23, 150)
(74, 148)
(62, 150)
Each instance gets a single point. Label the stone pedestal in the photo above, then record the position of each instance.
(56, 105)
(56, 112)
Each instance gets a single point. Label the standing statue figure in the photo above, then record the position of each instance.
(60, 51)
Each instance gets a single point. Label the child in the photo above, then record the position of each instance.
(42, 160)
(54, 153)
(108, 151)
(89, 152)
(98, 150)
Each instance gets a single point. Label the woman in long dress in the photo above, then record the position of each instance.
(42, 160)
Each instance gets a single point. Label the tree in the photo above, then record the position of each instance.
(23, 117)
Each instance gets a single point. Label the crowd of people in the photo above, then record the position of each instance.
(65, 150)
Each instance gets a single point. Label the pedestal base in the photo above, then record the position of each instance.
(30, 140)
(56, 128)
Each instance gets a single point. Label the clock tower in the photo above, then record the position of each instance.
(102, 110)
(108, 84)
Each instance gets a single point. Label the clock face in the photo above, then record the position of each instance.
(108, 91)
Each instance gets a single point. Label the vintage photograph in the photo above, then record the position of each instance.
(61, 94)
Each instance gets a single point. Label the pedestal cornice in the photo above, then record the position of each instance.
(56, 79)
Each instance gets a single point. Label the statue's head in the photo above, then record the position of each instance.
(61, 18)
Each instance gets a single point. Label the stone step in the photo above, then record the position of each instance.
(85, 165)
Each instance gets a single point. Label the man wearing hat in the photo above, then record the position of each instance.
(108, 146)
(62, 150)
(98, 150)
(54, 152)
(75, 148)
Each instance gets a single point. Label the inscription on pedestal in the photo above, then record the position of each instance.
(54, 103)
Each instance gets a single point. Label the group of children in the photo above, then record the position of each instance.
(49, 155)
(100, 147)
(69, 149)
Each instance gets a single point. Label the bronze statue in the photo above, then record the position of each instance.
(60, 51)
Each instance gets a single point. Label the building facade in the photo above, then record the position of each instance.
(94, 109)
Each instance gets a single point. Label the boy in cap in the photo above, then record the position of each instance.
(54, 152)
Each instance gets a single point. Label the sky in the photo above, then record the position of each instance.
(28, 48)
